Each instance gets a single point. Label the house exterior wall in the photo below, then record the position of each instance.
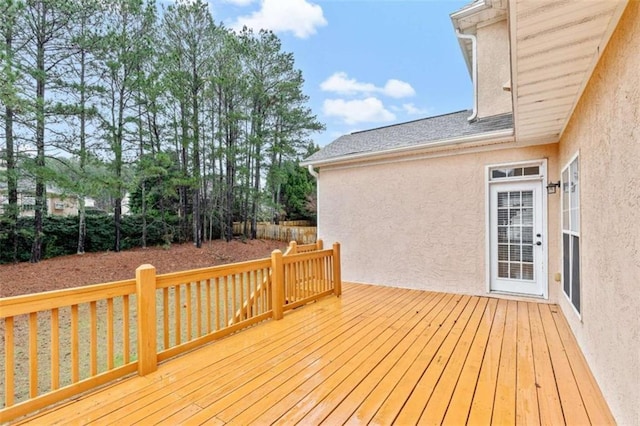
(605, 131)
(419, 223)
(493, 69)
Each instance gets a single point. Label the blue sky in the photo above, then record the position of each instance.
(366, 63)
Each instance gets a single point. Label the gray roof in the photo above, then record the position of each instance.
(412, 133)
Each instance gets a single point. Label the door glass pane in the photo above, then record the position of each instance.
(503, 252)
(514, 199)
(503, 269)
(514, 271)
(527, 271)
(503, 233)
(515, 235)
(503, 198)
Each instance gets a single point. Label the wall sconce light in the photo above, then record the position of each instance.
(551, 187)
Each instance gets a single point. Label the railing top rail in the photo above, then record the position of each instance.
(307, 247)
(24, 304)
(167, 280)
(310, 255)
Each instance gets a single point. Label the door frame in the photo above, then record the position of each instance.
(542, 179)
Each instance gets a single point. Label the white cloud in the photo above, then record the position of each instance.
(398, 89)
(369, 110)
(239, 2)
(340, 83)
(300, 17)
(411, 109)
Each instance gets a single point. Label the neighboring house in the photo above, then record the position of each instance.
(460, 204)
(58, 203)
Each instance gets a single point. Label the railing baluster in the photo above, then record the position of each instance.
(189, 313)
(125, 329)
(93, 364)
(75, 341)
(165, 317)
(217, 303)
(208, 302)
(199, 309)
(110, 342)
(8, 361)
(176, 314)
(33, 354)
(55, 349)
(226, 299)
(234, 296)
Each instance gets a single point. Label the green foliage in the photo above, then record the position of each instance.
(61, 235)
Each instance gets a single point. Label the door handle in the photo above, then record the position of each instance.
(538, 243)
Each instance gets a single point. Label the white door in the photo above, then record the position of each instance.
(517, 246)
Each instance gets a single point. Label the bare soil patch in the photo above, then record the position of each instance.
(95, 268)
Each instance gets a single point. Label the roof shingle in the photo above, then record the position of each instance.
(431, 129)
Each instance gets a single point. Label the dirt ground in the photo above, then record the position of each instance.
(94, 268)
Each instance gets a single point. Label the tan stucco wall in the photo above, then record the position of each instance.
(605, 130)
(493, 69)
(420, 223)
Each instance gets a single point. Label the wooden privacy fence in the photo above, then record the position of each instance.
(285, 231)
(61, 343)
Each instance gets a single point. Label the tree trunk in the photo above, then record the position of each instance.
(36, 248)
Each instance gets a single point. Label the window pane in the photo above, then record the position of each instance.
(514, 199)
(503, 252)
(527, 253)
(527, 217)
(575, 272)
(527, 234)
(503, 217)
(527, 199)
(517, 172)
(527, 271)
(503, 199)
(503, 269)
(514, 253)
(530, 171)
(503, 234)
(496, 174)
(514, 271)
(574, 176)
(565, 199)
(566, 262)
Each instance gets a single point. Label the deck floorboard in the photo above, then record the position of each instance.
(376, 355)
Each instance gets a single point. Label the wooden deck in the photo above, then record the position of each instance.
(376, 355)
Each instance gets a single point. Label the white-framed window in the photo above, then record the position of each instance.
(571, 232)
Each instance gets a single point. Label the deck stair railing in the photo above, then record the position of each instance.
(248, 304)
(57, 344)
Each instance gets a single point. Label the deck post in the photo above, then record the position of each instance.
(337, 274)
(277, 284)
(147, 332)
(293, 247)
(319, 245)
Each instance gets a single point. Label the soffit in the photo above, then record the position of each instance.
(555, 46)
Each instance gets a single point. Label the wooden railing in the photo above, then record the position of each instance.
(61, 343)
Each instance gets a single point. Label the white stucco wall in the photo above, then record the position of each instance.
(493, 69)
(605, 130)
(420, 223)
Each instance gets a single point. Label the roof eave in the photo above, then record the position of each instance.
(500, 136)
(532, 118)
